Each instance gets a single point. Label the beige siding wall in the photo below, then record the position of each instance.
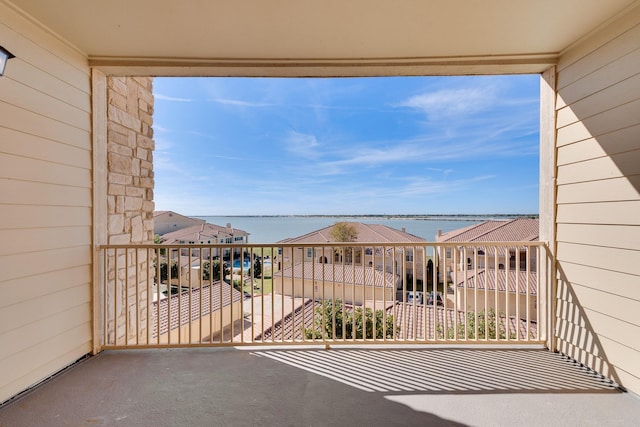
(45, 205)
(598, 201)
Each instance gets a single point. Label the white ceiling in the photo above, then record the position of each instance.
(309, 36)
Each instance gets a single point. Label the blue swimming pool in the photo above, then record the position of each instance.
(246, 264)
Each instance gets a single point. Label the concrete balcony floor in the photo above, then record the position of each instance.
(314, 387)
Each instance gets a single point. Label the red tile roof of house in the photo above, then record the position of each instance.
(209, 233)
(413, 321)
(180, 305)
(339, 273)
(366, 233)
(515, 230)
(504, 278)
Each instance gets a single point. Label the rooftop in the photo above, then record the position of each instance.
(207, 233)
(347, 274)
(366, 233)
(514, 230)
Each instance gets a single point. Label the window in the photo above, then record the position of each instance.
(238, 239)
(309, 253)
(448, 252)
(227, 240)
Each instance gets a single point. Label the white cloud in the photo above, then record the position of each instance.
(171, 98)
(302, 144)
(452, 102)
(239, 103)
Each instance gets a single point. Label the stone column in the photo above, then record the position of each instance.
(129, 201)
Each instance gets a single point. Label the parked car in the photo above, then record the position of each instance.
(417, 295)
(440, 301)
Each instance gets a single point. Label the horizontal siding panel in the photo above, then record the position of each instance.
(614, 329)
(44, 82)
(622, 356)
(619, 309)
(616, 142)
(593, 60)
(43, 239)
(38, 47)
(36, 286)
(31, 334)
(617, 71)
(43, 359)
(622, 260)
(612, 282)
(15, 167)
(620, 93)
(34, 147)
(42, 194)
(613, 236)
(618, 165)
(608, 121)
(628, 381)
(16, 321)
(616, 189)
(40, 217)
(22, 120)
(616, 213)
(25, 265)
(22, 96)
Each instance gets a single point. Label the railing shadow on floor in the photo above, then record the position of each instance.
(447, 370)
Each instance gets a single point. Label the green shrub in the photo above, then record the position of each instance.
(364, 324)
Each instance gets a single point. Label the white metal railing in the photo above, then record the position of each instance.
(220, 295)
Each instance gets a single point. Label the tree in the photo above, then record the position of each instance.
(163, 271)
(323, 323)
(212, 269)
(345, 232)
(158, 241)
(257, 268)
(489, 326)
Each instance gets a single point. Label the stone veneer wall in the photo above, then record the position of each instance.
(129, 200)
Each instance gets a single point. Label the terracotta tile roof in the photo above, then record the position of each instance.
(338, 273)
(480, 277)
(412, 321)
(416, 320)
(180, 305)
(209, 233)
(515, 230)
(367, 233)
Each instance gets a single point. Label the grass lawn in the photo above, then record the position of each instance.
(258, 289)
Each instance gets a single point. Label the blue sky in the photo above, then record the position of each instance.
(393, 145)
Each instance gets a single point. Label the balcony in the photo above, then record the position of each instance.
(268, 335)
(231, 295)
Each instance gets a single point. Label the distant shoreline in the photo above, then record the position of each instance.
(434, 217)
(462, 217)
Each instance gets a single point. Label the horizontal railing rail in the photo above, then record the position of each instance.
(332, 293)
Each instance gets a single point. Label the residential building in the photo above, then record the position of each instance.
(460, 257)
(168, 221)
(393, 251)
(201, 314)
(350, 283)
(207, 234)
(76, 139)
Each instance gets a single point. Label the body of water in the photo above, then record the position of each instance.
(275, 229)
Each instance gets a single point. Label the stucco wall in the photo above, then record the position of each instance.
(598, 201)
